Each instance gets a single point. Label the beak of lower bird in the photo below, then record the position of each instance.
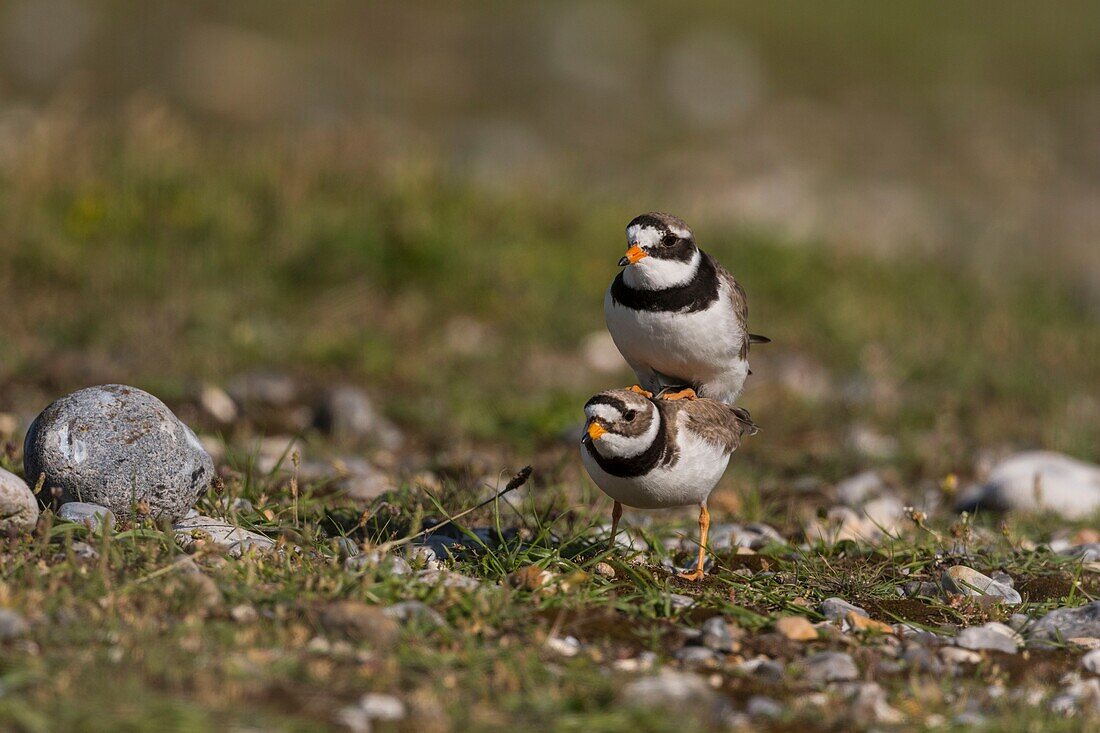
(595, 431)
(632, 255)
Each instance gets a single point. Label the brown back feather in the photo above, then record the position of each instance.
(718, 423)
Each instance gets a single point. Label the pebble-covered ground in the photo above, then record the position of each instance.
(316, 590)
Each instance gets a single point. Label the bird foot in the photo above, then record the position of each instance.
(684, 394)
(643, 392)
(694, 576)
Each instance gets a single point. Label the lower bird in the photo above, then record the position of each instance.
(653, 453)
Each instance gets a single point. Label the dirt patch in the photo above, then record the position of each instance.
(907, 609)
(1045, 587)
(619, 635)
(754, 563)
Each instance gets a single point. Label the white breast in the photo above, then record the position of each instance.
(692, 346)
(688, 481)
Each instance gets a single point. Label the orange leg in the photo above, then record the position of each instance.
(616, 514)
(704, 527)
(644, 392)
(684, 394)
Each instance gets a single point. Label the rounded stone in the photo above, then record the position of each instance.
(961, 580)
(92, 516)
(119, 447)
(18, 507)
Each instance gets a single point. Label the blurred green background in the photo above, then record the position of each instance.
(429, 199)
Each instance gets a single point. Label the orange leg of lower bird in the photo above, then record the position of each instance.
(704, 527)
(616, 514)
(684, 394)
(644, 392)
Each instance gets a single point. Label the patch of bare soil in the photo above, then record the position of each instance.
(907, 609)
(1045, 587)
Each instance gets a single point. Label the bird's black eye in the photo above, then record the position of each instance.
(668, 240)
(629, 415)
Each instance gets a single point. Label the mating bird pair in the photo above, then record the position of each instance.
(681, 322)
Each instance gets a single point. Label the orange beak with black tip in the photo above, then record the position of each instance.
(595, 430)
(634, 254)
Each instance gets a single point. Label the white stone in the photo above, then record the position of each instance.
(18, 507)
(92, 516)
(855, 490)
(1042, 480)
(232, 540)
(1091, 662)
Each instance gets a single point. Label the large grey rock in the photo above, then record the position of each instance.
(18, 507)
(1067, 623)
(119, 447)
(1039, 480)
(92, 516)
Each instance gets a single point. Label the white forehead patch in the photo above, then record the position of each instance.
(643, 236)
(604, 411)
(647, 236)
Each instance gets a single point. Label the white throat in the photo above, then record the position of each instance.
(651, 273)
(611, 445)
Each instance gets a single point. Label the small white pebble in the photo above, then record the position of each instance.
(565, 646)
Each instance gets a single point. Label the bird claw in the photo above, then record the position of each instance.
(684, 394)
(643, 392)
(694, 576)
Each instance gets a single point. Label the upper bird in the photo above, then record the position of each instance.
(679, 318)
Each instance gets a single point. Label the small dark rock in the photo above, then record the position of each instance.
(837, 609)
(717, 635)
